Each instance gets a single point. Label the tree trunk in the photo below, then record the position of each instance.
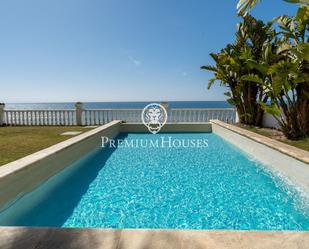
(250, 91)
(302, 106)
(260, 110)
(259, 116)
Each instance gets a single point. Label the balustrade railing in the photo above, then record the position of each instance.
(40, 117)
(103, 116)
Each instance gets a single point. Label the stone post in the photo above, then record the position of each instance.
(79, 111)
(2, 105)
(237, 117)
(165, 105)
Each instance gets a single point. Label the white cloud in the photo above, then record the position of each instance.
(136, 62)
(184, 73)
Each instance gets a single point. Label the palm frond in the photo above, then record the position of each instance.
(244, 6)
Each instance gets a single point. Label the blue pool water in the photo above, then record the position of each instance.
(217, 187)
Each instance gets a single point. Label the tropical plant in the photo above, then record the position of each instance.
(286, 75)
(231, 64)
(244, 6)
(268, 71)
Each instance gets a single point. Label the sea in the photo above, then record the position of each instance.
(116, 105)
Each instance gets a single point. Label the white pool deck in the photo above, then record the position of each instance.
(17, 177)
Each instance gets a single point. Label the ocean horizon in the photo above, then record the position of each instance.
(116, 105)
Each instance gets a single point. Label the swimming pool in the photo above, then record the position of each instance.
(213, 187)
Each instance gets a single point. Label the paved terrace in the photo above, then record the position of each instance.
(69, 238)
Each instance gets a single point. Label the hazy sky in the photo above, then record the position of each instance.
(115, 50)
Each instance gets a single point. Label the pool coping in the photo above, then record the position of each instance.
(34, 237)
(286, 149)
(95, 238)
(23, 162)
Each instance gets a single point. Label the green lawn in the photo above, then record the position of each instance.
(17, 142)
(277, 135)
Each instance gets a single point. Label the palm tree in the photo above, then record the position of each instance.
(285, 75)
(231, 63)
(227, 71)
(244, 6)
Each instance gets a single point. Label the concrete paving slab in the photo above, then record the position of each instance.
(70, 133)
(78, 238)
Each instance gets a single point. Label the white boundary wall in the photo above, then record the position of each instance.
(269, 121)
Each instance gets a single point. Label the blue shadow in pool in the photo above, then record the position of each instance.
(52, 203)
